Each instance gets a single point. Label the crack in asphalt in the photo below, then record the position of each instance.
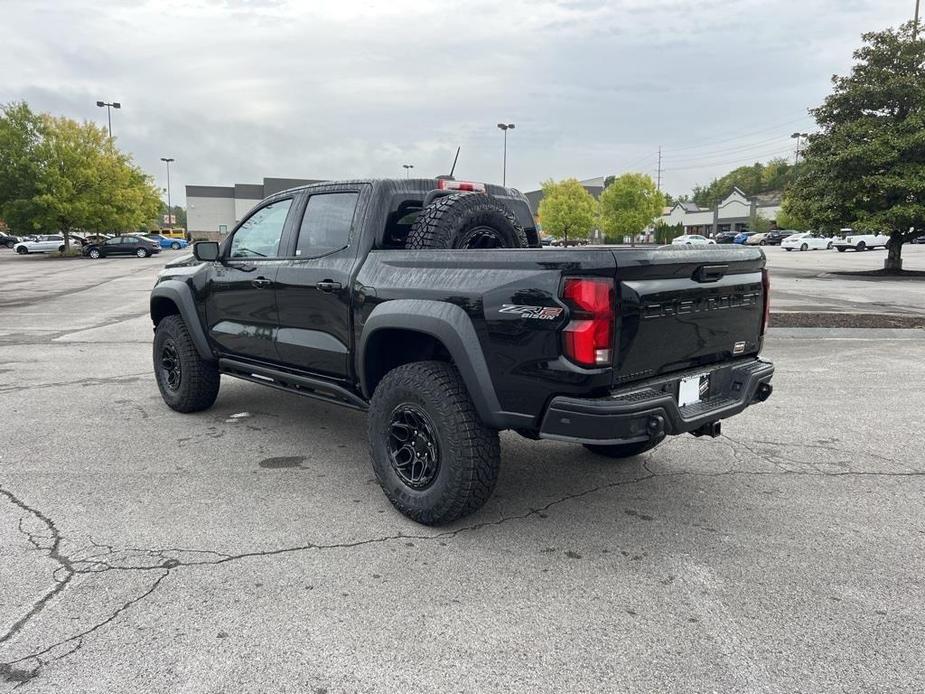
(102, 558)
(112, 380)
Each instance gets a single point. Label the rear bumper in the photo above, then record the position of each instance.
(650, 409)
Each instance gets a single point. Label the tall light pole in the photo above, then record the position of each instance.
(915, 22)
(407, 168)
(505, 127)
(167, 161)
(109, 106)
(798, 137)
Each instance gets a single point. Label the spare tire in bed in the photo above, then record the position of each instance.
(466, 220)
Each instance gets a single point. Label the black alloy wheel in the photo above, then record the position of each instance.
(414, 450)
(170, 365)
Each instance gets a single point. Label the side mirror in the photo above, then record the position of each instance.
(206, 251)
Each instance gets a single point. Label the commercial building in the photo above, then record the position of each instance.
(733, 213)
(213, 211)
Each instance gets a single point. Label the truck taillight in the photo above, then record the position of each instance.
(588, 338)
(766, 288)
(470, 186)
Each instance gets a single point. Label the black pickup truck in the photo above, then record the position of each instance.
(325, 291)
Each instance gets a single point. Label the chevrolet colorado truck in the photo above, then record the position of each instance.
(405, 299)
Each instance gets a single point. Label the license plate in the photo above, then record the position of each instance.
(693, 389)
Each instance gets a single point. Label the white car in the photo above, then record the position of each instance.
(692, 240)
(861, 242)
(43, 244)
(805, 242)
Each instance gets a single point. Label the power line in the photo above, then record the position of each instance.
(708, 164)
(762, 144)
(739, 136)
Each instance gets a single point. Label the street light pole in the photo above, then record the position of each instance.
(407, 168)
(915, 22)
(505, 127)
(109, 106)
(167, 161)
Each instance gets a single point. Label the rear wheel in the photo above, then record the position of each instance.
(762, 243)
(840, 249)
(10, 244)
(804, 247)
(624, 450)
(466, 220)
(828, 246)
(434, 458)
(188, 383)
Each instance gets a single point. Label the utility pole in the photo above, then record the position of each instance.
(915, 22)
(658, 182)
(798, 137)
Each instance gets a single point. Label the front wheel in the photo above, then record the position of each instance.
(188, 383)
(142, 253)
(804, 247)
(861, 247)
(10, 244)
(623, 450)
(828, 246)
(22, 250)
(762, 243)
(788, 249)
(94, 253)
(434, 458)
(175, 246)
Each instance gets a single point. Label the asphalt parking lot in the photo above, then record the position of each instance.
(249, 548)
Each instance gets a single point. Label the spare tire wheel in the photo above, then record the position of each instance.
(466, 220)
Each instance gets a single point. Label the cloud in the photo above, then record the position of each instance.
(236, 90)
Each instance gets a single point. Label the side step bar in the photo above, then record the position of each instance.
(292, 383)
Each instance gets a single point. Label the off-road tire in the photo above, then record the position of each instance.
(624, 450)
(466, 220)
(199, 379)
(469, 452)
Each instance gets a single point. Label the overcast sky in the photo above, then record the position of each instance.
(236, 90)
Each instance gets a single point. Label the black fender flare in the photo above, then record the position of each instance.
(182, 297)
(452, 326)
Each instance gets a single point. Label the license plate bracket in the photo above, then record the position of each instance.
(693, 389)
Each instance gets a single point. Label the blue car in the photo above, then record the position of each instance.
(742, 236)
(167, 242)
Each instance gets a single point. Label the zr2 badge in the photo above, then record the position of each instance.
(533, 312)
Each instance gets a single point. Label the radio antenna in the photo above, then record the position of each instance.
(455, 159)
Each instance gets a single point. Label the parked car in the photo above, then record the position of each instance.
(919, 239)
(860, 242)
(743, 236)
(725, 236)
(692, 240)
(805, 241)
(8, 241)
(49, 243)
(756, 239)
(775, 236)
(168, 242)
(78, 239)
(324, 291)
(130, 244)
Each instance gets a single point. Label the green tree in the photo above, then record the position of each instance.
(787, 218)
(753, 179)
(72, 177)
(628, 205)
(665, 232)
(759, 223)
(866, 167)
(567, 209)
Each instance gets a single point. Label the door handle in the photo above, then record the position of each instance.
(261, 282)
(329, 286)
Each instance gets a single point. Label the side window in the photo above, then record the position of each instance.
(129, 240)
(114, 242)
(259, 236)
(326, 224)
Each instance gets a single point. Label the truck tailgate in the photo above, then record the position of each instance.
(684, 307)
